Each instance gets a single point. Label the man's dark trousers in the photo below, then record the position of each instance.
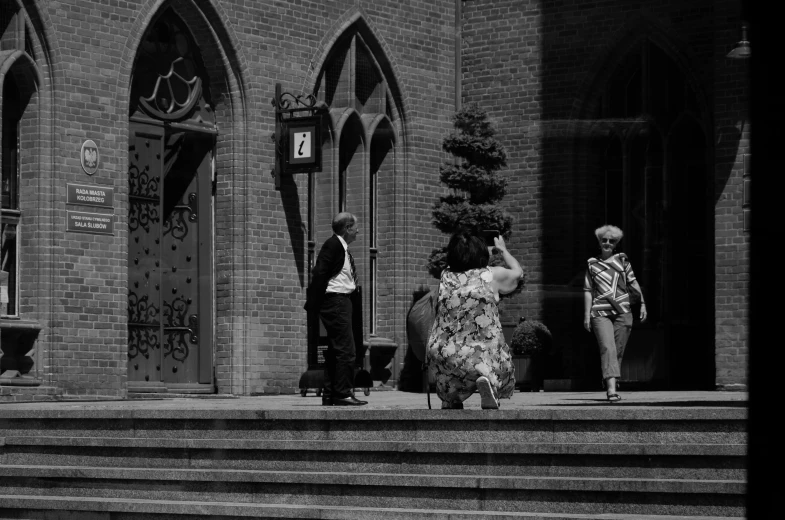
(336, 315)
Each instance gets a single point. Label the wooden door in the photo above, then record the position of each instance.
(170, 260)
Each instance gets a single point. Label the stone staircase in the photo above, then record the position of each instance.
(536, 463)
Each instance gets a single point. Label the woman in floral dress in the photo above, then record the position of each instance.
(466, 348)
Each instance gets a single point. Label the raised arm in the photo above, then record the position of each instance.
(506, 279)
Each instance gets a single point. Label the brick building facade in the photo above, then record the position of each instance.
(193, 281)
(631, 113)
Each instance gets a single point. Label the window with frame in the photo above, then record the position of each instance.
(9, 267)
(17, 89)
(364, 119)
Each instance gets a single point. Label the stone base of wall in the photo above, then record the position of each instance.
(26, 393)
(733, 387)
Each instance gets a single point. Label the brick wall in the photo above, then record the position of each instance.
(731, 241)
(86, 50)
(527, 63)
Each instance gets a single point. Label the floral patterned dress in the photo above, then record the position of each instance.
(466, 340)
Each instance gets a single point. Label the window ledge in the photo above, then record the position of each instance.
(15, 324)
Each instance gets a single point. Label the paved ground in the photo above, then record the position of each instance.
(395, 400)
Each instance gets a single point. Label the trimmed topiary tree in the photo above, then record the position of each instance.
(477, 188)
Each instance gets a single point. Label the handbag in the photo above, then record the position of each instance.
(419, 322)
(633, 293)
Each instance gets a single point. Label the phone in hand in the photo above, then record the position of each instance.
(488, 235)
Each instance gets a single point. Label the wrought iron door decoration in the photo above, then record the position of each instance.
(177, 223)
(179, 334)
(144, 193)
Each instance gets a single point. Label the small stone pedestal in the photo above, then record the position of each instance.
(381, 358)
(17, 354)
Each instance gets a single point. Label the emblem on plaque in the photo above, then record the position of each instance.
(89, 157)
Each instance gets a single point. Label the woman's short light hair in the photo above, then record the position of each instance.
(615, 232)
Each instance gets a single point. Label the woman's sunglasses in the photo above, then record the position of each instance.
(608, 240)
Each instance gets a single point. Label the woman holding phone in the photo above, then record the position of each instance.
(466, 348)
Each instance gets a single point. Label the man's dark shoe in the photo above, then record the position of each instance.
(327, 401)
(348, 401)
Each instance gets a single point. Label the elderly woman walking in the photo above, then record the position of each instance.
(466, 349)
(609, 285)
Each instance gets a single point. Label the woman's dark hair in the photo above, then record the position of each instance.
(466, 251)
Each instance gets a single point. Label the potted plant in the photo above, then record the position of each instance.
(530, 343)
(476, 186)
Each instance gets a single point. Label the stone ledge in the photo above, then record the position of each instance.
(276, 511)
(20, 325)
(511, 448)
(23, 394)
(344, 414)
(385, 480)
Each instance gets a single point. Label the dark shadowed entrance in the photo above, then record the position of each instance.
(656, 187)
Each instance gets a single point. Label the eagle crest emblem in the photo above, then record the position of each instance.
(89, 157)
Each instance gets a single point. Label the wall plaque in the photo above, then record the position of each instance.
(98, 196)
(93, 223)
(89, 157)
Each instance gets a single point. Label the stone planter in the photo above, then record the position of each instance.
(381, 358)
(528, 372)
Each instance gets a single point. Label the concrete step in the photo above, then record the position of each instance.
(336, 463)
(731, 487)
(582, 425)
(350, 490)
(648, 461)
(40, 507)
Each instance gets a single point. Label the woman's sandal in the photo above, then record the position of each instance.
(488, 401)
(614, 398)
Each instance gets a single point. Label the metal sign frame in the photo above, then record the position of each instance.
(298, 138)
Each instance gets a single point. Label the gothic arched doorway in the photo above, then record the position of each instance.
(656, 171)
(172, 135)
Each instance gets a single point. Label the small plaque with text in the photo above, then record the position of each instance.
(93, 223)
(98, 196)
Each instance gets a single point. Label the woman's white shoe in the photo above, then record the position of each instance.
(487, 399)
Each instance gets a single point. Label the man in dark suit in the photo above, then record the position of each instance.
(331, 291)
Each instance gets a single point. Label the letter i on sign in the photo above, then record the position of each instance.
(302, 145)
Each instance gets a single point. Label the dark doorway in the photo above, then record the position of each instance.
(170, 223)
(655, 169)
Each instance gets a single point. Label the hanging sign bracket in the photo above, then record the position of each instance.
(298, 134)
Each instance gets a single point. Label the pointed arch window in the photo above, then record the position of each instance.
(167, 83)
(20, 79)
(12, 214)
(643, 101)
(354, 86)
(656, 175)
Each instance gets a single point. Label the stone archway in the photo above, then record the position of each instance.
(656, 187)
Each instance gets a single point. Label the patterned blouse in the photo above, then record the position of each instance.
(609, 287)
